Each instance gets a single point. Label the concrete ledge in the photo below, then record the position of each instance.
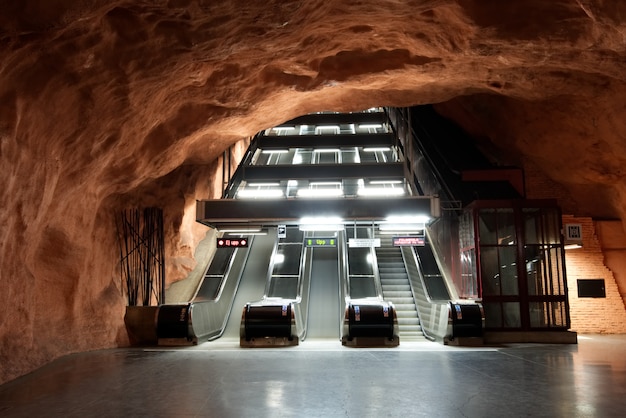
(550, 337)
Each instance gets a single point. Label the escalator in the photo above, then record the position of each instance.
(324, 302)
(396, 288)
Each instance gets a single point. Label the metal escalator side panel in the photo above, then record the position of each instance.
(208, 317)
(433, 314)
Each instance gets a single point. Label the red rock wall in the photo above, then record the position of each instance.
(106, 104)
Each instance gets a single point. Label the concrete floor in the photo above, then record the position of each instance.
(324, 379)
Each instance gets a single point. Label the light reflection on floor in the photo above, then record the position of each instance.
(325, 379)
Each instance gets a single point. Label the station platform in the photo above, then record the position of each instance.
(325, 379)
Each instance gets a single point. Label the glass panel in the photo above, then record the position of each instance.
(469, 283)
(506, 227)
(552, 226)
(533, 259)
(291, 262)
(220, 261)
(293, 235)
(532, 226)
(511, 315)
(490, 271)
(284, 287)
(488, 227)
(362, 287)
(360, 261)
(493, 315)
(508, 271)
(547, 314)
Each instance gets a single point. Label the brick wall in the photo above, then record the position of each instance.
(592, 315)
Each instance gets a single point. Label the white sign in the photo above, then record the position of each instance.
(282, 231)
(363, 242)
(573, 232)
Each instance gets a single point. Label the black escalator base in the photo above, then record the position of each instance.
(268, 326)
(370, 325)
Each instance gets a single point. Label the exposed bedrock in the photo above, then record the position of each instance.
(107, 105)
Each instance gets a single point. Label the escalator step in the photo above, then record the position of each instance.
(396, 287)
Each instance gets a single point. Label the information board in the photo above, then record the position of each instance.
(363, 242)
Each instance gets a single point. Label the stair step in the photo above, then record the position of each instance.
(408, 321)
(386, 281)
(396, 288)
(404, 306)
(406, 314)
(401, 300)
(397, 293)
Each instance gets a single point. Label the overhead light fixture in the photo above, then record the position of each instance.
(275, 184)
(404, 224)
(380, 191)
(376, 149)
(324, 223)
(334, 128)
(409, 219)
(315, 193)
(259, 193)
(242, 230)
(386, 182)
(371, 126)
(274, 151)
(572, 246)
(326, 150)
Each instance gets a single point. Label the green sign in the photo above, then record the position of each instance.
(320, 242)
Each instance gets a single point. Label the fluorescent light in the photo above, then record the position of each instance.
(274, 151)
(376, 149)
(320, 220)
(401, 227)
(409, 219)
(325, 223)
(279, 258)
(240, 229)
(572, 246)
(385, 182)
(319, 193)
(380, 191)
(371, 126)
(259, 193)
(334, 128)
(262, 184)
(326, 150)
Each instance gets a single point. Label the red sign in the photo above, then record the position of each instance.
(408, 241)
(232, 242)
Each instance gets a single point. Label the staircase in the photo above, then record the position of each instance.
(397, 290)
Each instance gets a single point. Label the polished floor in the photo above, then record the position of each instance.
(324, 379)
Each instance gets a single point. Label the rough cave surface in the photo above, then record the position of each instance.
(113, 104)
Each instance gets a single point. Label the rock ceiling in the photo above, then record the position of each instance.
(105, 104)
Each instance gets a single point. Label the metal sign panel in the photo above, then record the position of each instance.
(282, 231)
(363, 242)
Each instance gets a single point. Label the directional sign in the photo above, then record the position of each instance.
(282, 231)
(232, 242)
(320, 242)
